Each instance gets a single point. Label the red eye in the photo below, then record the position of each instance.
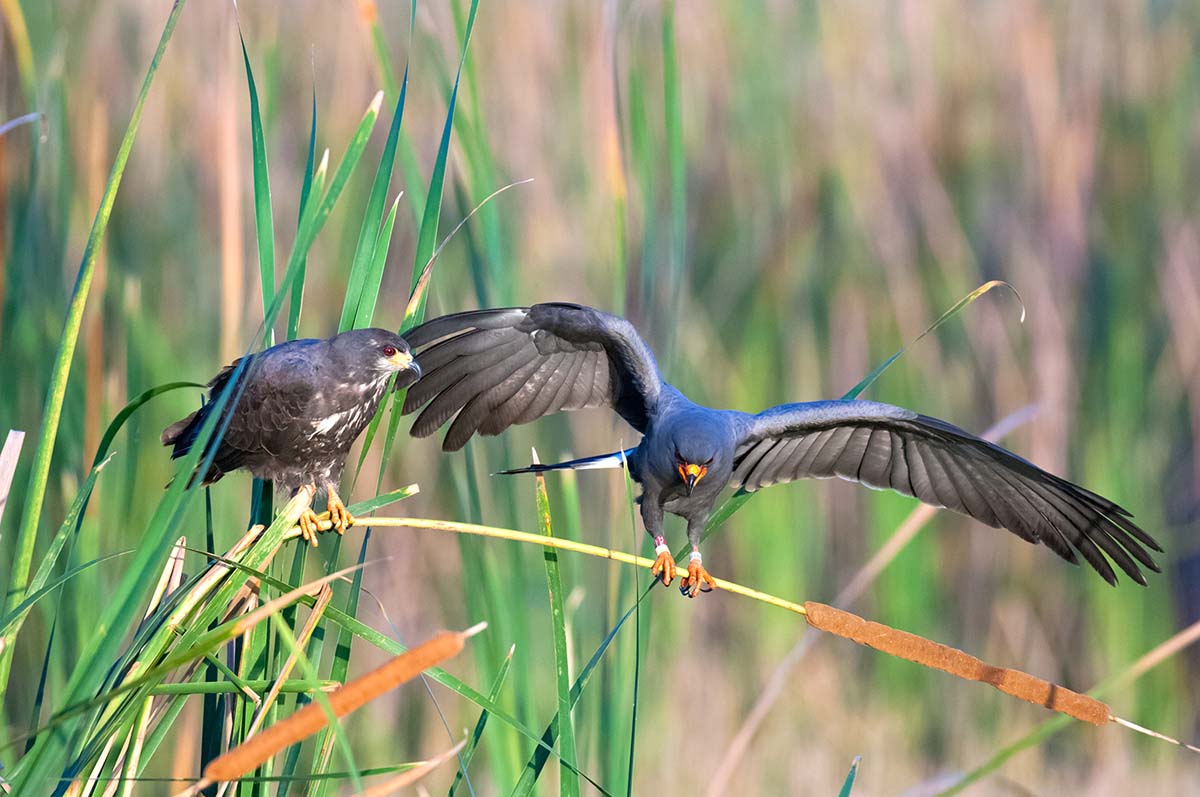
(389, 351)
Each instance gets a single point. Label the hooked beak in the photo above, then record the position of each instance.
(403, 362)
(691, 474)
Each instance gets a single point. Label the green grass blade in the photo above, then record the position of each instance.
(568, 785)
(477, 732)
(43, 587)
(541, 754)
(848, 785)
(736, 501)
(315, 214)
(264, 225)
(56, 391)
(297, 300)
(369, 233)
(433, 203)
(391, 646)
(957, 308)
(370, 288)
(59, 541)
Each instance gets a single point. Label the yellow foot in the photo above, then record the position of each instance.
(339, 515)
(664, 568)
(308, 526)
(696, 581)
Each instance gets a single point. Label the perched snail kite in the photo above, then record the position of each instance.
(302, 404)
(491, 369)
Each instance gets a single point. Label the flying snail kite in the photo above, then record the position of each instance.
(491, 369)
(296, 410)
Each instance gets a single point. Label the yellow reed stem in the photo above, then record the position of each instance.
(553, 542)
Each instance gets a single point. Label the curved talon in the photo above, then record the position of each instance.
(309, 526)
(696, 581)
(664, 568)
(339, 515)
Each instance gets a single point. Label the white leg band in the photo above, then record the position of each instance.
(695, 556)
(661, 548)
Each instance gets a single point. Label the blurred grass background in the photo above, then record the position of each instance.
(779, 195)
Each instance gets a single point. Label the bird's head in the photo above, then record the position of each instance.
(695, 453)
(381, 351)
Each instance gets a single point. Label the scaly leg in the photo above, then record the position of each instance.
(697, 579)
(652, 517)
(308, 518)
(339, 515)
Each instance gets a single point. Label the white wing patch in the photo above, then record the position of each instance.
(325, 425)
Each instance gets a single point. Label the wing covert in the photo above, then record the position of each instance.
(491, 369)
(886, 447)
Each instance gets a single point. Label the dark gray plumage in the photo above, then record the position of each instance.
(495, 368)
(296, 410)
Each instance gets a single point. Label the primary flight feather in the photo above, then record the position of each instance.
(490, 369)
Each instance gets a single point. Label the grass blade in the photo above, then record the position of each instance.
(735, 502)
(56, 391)
(433, 203)
(297, 301)
(568, 784)
(369, 234)
(848, 785)
(370, 288)
(264, 226)
(481, 723)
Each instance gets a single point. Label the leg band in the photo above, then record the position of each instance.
(661, 548)
(695, 556)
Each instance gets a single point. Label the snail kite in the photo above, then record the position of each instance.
(297, 409)
(491, 369)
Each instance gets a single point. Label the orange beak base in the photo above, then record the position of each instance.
(691, 474)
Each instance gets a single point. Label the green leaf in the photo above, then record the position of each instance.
(370, 288)
(477, 733)
(735, 502)
(568, 785)
(297, 301)
(369, 235)
(433, 204)
(957, 308)
(264, 225)
(849, 783)
(35, 495)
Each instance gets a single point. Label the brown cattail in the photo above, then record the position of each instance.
(947, 659)
(355, 694)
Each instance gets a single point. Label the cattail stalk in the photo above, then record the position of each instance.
(354, 695)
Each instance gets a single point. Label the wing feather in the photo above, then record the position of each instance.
(585, 358)
(938, 463)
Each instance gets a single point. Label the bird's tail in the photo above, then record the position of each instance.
(617, 459)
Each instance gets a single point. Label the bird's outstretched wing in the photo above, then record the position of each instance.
(496, 368)
(887, 447)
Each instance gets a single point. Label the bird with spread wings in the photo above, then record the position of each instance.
(491, 369)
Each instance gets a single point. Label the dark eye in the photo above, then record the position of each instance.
(678, 458)
(389, 351)
(709, 462)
